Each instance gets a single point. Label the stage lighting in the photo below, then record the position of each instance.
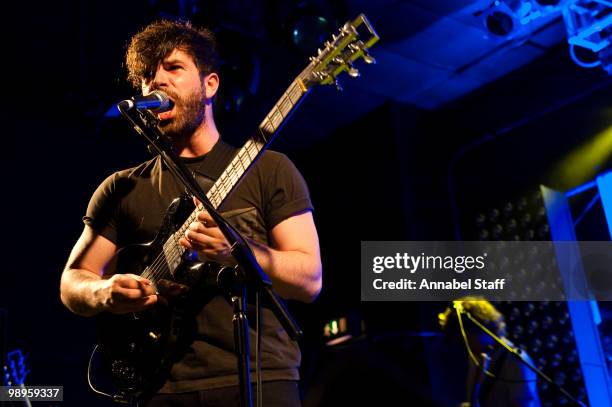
(504, 18)
(589, 32)
(508, 18)
(582, 163)
(500, 23)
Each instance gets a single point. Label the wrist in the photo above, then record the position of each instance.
(263, 254)
(100, 300)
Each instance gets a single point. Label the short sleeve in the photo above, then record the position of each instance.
(104, 208)
(286, 192)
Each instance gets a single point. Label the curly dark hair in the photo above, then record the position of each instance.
(151, 45)
(479, 308)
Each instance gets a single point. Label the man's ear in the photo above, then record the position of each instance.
(211, 84)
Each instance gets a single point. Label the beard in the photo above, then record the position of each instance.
(189, 115)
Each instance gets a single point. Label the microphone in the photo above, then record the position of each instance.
(156, 101)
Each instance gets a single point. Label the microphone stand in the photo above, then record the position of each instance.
(249, 272)
(516, 354)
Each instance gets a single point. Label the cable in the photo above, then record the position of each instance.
(89, 375)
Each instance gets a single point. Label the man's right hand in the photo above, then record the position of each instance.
(124, 293)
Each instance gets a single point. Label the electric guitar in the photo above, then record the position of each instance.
(139, 348)
(15, 372)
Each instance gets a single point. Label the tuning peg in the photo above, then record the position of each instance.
(352, 71)
(368, 59)
(338, 86)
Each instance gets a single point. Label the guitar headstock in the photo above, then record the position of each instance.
(15, 371)
(351, 42)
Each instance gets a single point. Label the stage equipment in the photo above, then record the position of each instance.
(509, 18)
(589, 30)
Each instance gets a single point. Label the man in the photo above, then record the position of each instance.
(271, 206)
(504, 381)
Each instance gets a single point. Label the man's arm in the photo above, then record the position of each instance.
(85, 292)
(293, 262)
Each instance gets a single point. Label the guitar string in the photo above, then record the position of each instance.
(160, 265)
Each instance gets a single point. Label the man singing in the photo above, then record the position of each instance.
(271, 207)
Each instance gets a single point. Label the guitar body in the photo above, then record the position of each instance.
(139, 348)
(135, 349)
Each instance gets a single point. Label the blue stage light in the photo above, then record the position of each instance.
(589, 32)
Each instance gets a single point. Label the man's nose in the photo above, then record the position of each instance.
(160, 80)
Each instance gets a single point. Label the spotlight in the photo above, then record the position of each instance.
(500, 23)
(504, 18)
(507, 18)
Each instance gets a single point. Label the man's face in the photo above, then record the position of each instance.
(178, 76)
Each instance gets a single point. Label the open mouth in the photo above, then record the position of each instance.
(169, 114)
(166, 115)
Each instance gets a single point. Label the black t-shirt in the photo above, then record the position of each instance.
(128, 208)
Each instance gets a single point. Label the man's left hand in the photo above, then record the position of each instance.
(205, 237)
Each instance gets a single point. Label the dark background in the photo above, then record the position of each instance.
(394, 172)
